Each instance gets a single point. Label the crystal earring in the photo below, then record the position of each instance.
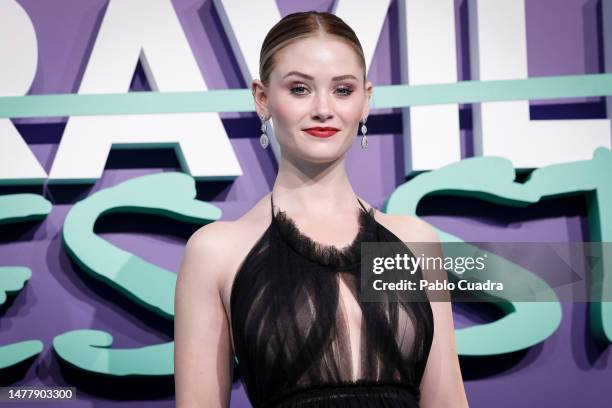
(263, 139)
(364, 138)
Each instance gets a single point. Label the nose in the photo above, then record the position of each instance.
(322, 109)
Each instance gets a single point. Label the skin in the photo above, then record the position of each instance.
(313, 188)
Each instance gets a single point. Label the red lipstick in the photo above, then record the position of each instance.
(321, 131)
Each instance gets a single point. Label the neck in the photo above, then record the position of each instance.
(313, 188)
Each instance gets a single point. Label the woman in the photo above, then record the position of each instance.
(277, 288)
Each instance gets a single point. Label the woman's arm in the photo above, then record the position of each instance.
(202, 349)
(442, 384)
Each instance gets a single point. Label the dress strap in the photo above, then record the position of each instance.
(361, 204)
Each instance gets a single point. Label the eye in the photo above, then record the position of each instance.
(345, 90)
(298, 89)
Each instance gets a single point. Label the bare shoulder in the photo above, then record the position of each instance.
(410, 228)
(407, 227)
(229, 242)
(222, 244)
(205, 247)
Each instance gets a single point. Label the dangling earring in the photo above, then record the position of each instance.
(364, 138)
(263, 139)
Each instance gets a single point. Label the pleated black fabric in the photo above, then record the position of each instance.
(291, 335)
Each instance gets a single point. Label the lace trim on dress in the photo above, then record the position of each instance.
(327, 255)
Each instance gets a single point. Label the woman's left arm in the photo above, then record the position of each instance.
(442, 384)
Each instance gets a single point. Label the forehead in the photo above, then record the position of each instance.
(320, 56)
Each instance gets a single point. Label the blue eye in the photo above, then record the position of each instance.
(302, 90)
(298, 87)
(345, 91)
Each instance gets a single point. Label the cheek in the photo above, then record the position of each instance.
(289, 110)
(350, 110)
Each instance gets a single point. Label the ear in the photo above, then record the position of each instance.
(261, 99)
(368, 93)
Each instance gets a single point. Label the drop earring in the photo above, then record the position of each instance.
(263, 139)
(364, 138)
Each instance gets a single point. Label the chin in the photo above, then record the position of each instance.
(309, 149)
(322, 155)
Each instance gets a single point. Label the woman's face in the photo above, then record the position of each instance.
(316, 82)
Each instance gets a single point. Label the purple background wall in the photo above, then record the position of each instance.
(564, 37)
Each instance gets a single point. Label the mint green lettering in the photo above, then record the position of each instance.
(168, 194)
(16, 208)
(492, 179)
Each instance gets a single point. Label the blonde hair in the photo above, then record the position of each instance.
(300, 25)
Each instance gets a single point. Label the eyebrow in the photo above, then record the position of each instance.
(336, 78)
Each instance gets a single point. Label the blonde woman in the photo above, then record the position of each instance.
(277, 288)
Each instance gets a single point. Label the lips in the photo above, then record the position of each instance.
(321, 131)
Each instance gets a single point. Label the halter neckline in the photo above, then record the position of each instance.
(327, 255)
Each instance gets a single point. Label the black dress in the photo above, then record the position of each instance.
(291, 335)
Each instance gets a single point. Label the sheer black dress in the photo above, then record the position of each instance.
(293, 331)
